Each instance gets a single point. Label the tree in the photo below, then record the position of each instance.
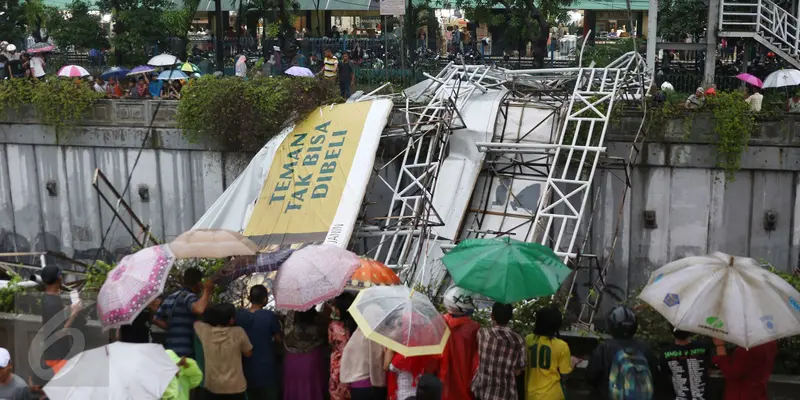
(178, 22)
(525, 21)
(12, 21)
(138, 28)
(78, 28)
(36, 16)
(678, 18)
(281, 12)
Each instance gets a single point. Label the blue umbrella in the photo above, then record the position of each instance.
(172, 75)
(115, 72)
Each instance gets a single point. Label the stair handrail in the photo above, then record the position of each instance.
(768, 19)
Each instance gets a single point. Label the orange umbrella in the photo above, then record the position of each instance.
(372, 273)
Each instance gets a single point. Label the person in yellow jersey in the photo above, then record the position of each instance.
(548, 358)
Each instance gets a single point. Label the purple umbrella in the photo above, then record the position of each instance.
(747, 78)
(142, 69)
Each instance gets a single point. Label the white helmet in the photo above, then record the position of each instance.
(458, 301)
(11, 48)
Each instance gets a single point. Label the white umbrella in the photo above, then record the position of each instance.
(124, 371)
(782, 78)
(299, 71)
(730, 298)
(164, 60)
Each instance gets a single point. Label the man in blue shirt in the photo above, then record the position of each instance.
(179, 311)
(263, 330)
(154, 86)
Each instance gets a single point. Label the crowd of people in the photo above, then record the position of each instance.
(225, 353)
(14, 64)
(139, 87)
(699, 98)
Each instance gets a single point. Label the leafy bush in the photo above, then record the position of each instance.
(9, 293)
(59, 102)
(245, 114)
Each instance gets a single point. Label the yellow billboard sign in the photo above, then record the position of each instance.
(312, 172)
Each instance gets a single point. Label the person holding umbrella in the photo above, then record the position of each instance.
(746, 371)
(180, 309)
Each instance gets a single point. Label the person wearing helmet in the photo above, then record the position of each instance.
(460, 357)
(623, 367)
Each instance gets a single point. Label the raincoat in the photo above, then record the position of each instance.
(416, 366)
(460, 358)
(188, 378)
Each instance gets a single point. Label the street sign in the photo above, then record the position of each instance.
(393, 7)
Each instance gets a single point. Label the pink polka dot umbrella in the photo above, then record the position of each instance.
(135, 282)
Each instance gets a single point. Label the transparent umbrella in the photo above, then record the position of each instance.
(400, 319)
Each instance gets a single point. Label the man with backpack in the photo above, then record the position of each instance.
(622, 368)
(177, 313)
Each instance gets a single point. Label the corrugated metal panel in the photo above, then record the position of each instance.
(176, 192)
(146, 178)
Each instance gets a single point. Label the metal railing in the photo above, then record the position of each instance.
(764, 18)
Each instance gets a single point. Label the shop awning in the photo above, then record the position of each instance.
(636, 5)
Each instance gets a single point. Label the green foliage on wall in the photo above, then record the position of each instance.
(58, 102)
(245, 114)
(733, 124)
(9, 293)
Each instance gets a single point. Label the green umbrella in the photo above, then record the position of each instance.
(504, 269)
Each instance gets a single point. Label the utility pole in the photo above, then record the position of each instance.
(711, 43)
(652, 37)
(220, 36)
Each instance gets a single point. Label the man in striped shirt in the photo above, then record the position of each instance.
(179, 311)
(331, 68)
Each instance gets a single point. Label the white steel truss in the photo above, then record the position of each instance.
(578, 151)
(425, 117)
(426, 128)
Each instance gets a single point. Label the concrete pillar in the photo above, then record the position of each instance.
(652, 36)
(711, 42)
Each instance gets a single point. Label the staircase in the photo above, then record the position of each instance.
(764, 21)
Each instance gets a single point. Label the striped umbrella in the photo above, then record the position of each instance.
(73, 71)
(189, 68)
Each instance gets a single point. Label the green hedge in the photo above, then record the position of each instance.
(244, 114)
